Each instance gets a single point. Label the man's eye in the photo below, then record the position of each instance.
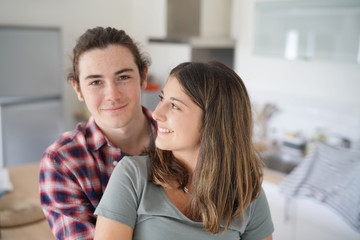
(96, 82)
(124, 77)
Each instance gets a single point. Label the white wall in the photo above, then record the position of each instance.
(74, 17)
(268, 79)
(282, 81)
(214, 18)
(148, 18)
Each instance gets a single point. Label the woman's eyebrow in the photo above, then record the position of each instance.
(177, 100)
(174, 99)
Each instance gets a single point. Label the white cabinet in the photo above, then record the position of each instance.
(195, 30)
(30, 63)
(308, 30)
(31, 112)
(27, 127)
(166, 55)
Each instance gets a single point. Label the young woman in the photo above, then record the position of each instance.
(204, 180)
(108, 74)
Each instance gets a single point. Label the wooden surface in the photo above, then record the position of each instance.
(25, 180)
(273, 176)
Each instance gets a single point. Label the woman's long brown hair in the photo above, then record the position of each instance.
(228, 174)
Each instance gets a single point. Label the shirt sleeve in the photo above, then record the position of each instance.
(120, 200)
(260, 224)
(64, 203)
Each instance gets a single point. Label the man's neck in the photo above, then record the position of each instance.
(132, 139)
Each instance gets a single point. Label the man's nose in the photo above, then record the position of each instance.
(112, 92)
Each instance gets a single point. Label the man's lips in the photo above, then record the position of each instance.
(114, 108)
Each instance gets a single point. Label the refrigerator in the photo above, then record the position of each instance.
(31, 106)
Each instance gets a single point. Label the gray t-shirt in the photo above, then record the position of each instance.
(130, 198)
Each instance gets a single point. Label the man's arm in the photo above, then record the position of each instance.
(64, 202)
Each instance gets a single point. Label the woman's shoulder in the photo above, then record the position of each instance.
(141, 161)
(258, 205)
(135, 165)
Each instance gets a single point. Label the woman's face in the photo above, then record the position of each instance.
(180, 122)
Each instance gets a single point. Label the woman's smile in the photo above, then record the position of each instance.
(164, 130)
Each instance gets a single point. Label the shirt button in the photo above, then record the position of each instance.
(114, 163)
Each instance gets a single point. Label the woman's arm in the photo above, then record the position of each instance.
(268, 237)
(109, 229)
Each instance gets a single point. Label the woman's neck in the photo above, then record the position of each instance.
(188, 159)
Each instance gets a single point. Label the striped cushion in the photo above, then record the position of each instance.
(329, 175)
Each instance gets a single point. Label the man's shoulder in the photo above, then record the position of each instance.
(69, 140)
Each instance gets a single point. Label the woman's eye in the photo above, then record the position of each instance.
(173, 106)
(161, 98)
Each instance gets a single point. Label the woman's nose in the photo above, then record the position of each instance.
(157, 113)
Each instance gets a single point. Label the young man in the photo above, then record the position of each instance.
(108, 74)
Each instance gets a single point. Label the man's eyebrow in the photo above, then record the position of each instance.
(116, 73)
(93, 76)
(124, 70)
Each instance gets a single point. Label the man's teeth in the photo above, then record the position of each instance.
(164, 130)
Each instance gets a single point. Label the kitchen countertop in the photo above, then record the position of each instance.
(273, 176)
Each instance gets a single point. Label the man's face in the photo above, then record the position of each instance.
(110, 86)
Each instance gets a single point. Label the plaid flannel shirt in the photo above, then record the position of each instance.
(74, 172)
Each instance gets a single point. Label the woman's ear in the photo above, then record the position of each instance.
(77, 89)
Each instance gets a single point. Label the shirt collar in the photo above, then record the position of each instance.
(97, 139)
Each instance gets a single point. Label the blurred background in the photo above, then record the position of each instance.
(300, 60)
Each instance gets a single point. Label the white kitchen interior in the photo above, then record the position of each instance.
(300, 61)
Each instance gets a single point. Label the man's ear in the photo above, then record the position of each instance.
(77, 89)
(144, 78)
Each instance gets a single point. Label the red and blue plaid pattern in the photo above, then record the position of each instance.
(74, 172)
